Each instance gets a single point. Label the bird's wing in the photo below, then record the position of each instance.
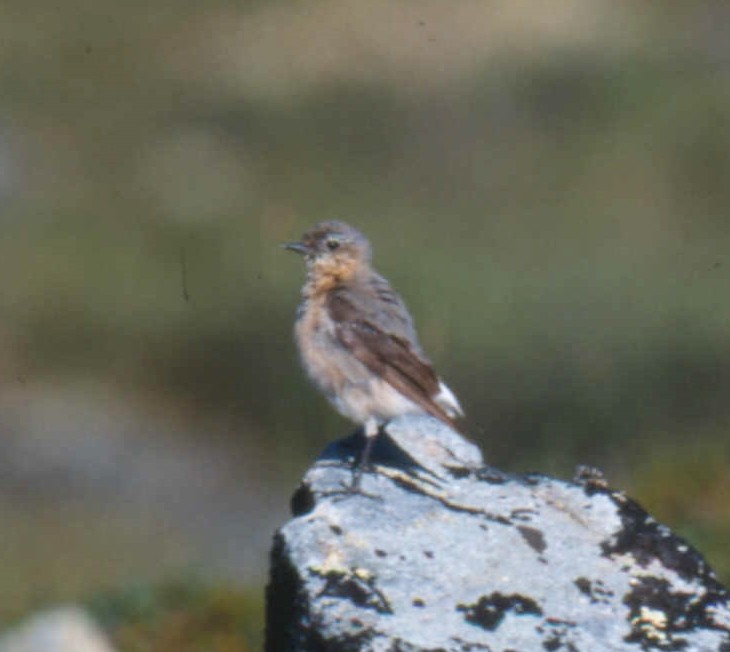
(392, 314)
(389, 355)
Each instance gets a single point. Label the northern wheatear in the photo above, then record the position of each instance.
(356, 339)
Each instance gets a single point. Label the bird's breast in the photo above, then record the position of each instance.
(332, 368)
(318, 346)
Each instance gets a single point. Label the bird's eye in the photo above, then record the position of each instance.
(332, 244)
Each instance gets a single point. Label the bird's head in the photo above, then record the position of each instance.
(333, 250)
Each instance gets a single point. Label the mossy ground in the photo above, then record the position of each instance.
(181, 616)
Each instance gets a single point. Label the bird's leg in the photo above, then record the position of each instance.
(371, 431)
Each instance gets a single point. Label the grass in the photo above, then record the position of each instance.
(183, 615)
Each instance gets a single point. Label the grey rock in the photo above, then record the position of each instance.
(67, 629)
(437, 552)
(435, 449)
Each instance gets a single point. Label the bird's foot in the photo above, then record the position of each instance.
(348, 490)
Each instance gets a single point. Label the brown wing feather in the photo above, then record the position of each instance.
(389, 356)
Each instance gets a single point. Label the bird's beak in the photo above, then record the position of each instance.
(296, 247)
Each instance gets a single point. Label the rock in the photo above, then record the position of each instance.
(67, 629)
(437, 552)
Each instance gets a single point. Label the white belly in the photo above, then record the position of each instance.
(374, 399)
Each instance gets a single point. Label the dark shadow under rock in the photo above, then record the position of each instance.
(438, 552)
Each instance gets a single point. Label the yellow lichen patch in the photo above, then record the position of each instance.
(332, 563)
(652, 623)
(362, 574)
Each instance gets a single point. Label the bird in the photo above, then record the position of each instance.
(356, 339)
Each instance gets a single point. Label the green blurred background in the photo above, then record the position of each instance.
(546, 183)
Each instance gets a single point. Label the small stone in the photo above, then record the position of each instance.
(67, 629)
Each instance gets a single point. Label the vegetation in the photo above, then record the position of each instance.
(179, 616)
